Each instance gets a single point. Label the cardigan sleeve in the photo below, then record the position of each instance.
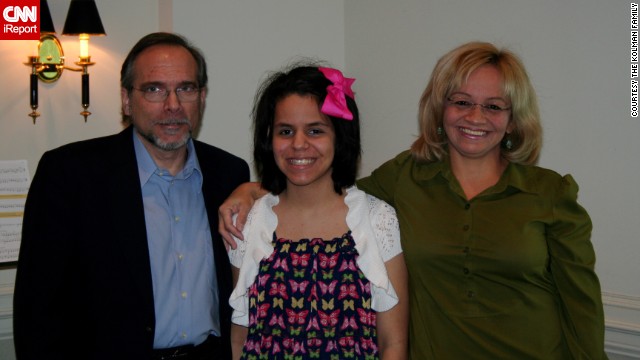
(572, 267)
(236, 255)
(368, 234)
(238, 299)
(387, 234)
(260, 226)
(385, 225)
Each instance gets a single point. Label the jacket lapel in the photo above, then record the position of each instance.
(127, 200)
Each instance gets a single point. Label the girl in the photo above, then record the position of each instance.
(321, 273)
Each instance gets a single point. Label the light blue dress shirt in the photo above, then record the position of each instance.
(182, 265)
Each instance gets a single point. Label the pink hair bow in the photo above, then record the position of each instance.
(335, 104)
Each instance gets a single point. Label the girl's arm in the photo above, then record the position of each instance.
(393, 324)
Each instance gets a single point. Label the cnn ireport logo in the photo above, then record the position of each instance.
(20, 20)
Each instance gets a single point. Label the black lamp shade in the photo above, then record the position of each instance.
(83, 18)
(46, 23)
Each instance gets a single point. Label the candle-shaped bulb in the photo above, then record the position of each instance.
(84, 46)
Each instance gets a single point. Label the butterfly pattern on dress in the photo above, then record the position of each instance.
(311, 301)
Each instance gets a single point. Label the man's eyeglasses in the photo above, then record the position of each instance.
(187, 93)
(463, 105)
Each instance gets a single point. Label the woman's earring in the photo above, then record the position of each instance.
(508, 144)
(439, 130)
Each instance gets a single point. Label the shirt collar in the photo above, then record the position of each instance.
(515, 176)
(520, 177)
(147, 167)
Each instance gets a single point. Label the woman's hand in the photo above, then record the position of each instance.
(238, 203)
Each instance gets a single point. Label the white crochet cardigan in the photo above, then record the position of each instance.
(374, 228)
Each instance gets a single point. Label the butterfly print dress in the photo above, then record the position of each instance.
(310, 301)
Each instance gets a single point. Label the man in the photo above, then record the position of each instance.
(120, 257)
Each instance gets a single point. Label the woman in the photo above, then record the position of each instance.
(321, 273)
(498, 250)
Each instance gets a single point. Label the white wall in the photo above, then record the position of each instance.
(577, 53)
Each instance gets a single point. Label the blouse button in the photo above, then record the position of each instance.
(465, 271)
(467, 206)
(465, 228)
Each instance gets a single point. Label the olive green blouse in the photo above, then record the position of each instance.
(506, 275)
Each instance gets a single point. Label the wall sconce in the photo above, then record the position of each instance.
(82, 20)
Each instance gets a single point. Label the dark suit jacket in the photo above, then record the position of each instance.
(83, 285)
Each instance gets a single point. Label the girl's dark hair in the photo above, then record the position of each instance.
(303, 80)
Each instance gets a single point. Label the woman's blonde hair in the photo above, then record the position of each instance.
(450, 73)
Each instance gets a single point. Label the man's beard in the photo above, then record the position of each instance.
(168, 146)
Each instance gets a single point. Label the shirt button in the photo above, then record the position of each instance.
(465, 228)
(183, 294)
(470, 294)
(177, 218)
(465, 271)
(467, 206)
(180, 257)
(183, 335)
(466, 250)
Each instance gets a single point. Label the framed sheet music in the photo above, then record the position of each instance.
(14, 185)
